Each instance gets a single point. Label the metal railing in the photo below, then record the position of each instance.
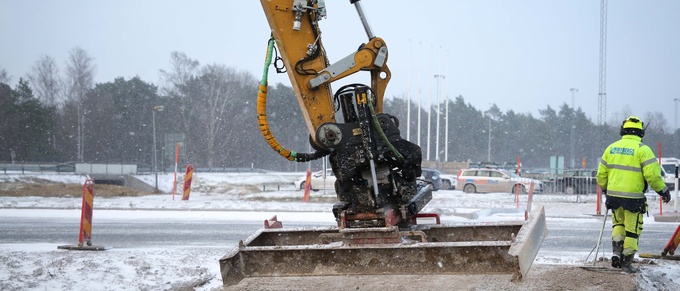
(565, 184)
(26, 168)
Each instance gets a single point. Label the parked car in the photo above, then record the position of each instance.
(318, 181)
(432, 176)
(577, 181)
(485, 180)
(448, 181)
(668, 172)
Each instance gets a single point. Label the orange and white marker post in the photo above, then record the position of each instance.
(188, 175)
(308, 185)
(174, 180)
(85, 234)
(517, 187)
(598, 201)
(660, 200)
(529, 200)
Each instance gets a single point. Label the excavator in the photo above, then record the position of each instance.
(380, 197)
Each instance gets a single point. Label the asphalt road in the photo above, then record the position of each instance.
(119, 231)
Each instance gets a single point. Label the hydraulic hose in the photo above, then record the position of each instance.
(262, 117)
(378, 128)
(375, 121)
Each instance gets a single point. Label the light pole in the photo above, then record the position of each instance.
(158, 108)
(488, 157)
(572, 142)
(438, 77)
(676, 100)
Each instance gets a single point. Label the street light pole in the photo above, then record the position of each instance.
(488, 157)
(153, 118)
(572, 142)
(676, 100)
(438, 77)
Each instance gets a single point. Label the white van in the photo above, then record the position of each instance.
(668, 171)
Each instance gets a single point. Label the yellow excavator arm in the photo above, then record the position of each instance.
(376, 169)
(295, 27)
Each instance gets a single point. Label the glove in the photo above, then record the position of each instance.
(665, 195)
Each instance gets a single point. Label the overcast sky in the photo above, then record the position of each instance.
(520, 55)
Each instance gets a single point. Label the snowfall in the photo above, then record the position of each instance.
(220, 196)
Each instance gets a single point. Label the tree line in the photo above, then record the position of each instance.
(54, 115)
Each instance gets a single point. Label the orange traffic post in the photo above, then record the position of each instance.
(188, 175)
(174, 180)
(672, 243)
(308, 184)
(598, 203)
(529, 200)
(517, 187)
(85, 234)
(660, 200)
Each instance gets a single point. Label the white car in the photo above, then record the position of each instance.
(449, 181)
(668, 171)
(484, 180)
(318, 181)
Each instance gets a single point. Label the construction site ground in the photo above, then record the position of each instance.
(654, 275)
(541, 277)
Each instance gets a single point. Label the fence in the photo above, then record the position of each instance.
(565, 184)
(37, 168)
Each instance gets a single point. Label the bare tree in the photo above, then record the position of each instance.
(45, 80)
(220, 86)
(656, 122)
(79, 80)
(182, 68)
(177, 79)
(4, 77)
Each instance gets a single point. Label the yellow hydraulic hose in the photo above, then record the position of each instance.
(262, 116)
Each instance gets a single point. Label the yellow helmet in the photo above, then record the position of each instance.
(633, 125)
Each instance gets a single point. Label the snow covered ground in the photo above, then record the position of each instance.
(42, 267)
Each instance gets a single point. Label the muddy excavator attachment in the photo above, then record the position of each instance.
(468, 248)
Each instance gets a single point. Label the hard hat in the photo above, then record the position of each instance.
(633, 122)
(633, 126)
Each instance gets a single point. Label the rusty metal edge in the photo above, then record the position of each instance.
(233, 265)
(528, 241)
(524, 248)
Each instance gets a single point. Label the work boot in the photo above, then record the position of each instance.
(627, 264)
(617, 248)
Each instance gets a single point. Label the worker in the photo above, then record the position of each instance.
(626, 169)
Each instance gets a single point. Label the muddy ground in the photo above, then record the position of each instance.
(42, 188)
(540, 277)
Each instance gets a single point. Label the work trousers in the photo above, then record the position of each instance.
(627, 228)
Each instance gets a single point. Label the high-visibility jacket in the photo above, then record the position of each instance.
(625, 166)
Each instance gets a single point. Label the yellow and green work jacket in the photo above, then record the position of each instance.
(624, 167)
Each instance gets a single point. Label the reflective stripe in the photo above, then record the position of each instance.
(626, 194)
(602, 161)
(625, 168)
(647, 162)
